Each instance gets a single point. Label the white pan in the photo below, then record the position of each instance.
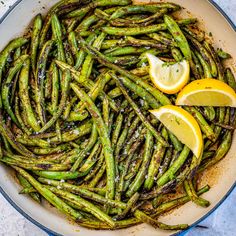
(221, 177)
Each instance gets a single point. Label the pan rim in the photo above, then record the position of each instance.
(183, 232)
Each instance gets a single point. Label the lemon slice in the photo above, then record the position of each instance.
(207, 92)
(169, 79)
(182, 125)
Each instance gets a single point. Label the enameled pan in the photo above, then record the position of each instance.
(221, 177)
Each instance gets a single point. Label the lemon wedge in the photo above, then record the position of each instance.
(207, 92)
(168, 78)
(182, 125)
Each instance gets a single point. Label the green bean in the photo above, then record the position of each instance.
(6, 87)
(94, 210)
(68, 107)
(176, 54)
(170, 173)
(178, 35)
(49, 150)
(220, 153)
(1, 148)
(15, 43)
(138, 22)
(143, 60)
(84, 191)
(85, 24)
(103, 133)
(89, 84)
(37, 27)
(167, 206)
(208, 113)
(97, 3)
(125, 61)
(216, 59)
(95, 170)
(142, 8)
(98, 176)
(25, 184)
(32, 142)
(217, 129)
(88, 62)
(79, 13)
(146, 43)
(103, 60)
(117, 129)
(6, 144)
(54, 74)
(140, 177)
(62, 7)
(205, 54)
(74, 134)
(142, 30)
(48, 81)
(24, 97)
(129, 50)
(141, 92)
(119, 224)
(65, 89)
(34, 166)
(156, 202)
(222, 54)
(17, 54)
(162, 39)
(28, 160)
(153, 168)
(230, 78)
(138, 111)
(176, 143)
(205, 65)
(58, 130)
(79, 54)
(18, 116)
(168, 186)
(133, 143)
(147, 219)
(188, 185)
(199, 35)
(89, 146)
(205, 127)
(40, 78)
(7, 134)
(130, 205)
(199, 74)
(208, 154)
(82, 54)
(121, 142)
(52, 198)
(75, 104)
(133, 31)
(93, 93)
(134, 169)
(56, 175)
(28, 191)
(110, 43)
(123, 173)
(92, 159)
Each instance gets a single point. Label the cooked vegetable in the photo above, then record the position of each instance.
(75, 122)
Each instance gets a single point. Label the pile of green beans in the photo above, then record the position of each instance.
(74, 112)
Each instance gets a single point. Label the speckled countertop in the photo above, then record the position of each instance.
(221, 222)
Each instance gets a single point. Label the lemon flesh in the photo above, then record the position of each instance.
(207, 92)
(182, 125)
(169, 78)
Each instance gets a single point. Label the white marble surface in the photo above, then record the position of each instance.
(221, 222)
